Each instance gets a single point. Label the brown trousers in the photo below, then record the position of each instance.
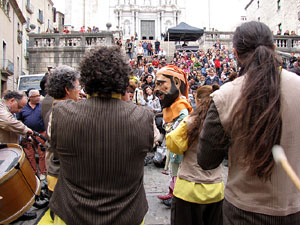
(30, 154)
(236, 216)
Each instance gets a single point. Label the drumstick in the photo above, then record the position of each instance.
(280, 157)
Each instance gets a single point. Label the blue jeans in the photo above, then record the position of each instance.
(145, 52)
(130, 55)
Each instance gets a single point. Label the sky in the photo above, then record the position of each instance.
(224, 14)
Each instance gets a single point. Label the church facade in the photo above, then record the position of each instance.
(146, 19)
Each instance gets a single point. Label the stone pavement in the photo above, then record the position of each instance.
(155, 184)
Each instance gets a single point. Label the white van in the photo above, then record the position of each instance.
(30, 81)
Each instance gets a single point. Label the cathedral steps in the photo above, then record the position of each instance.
(169, 48)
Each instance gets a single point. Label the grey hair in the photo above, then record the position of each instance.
(17, 95)
(32, 91)
(60, 78)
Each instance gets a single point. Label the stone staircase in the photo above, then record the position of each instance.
(169, 47)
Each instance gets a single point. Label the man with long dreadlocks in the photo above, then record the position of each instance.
(171, 87)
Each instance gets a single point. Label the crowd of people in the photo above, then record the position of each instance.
(209, 105)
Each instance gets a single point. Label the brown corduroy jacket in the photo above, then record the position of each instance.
(101, 145)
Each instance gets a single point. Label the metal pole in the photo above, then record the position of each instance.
(168, 43)
(208, 14)
(84, 13)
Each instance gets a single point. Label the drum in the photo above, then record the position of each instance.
(18, 183)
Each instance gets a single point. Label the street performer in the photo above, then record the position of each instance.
(11, 128)
(100, 147)
(171, 87)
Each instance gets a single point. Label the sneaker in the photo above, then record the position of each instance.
(42, 177)
(165, 197)
(167, 202)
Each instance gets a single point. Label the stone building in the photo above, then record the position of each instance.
(146, 18)
(39, 15)
(279, 15)
(11, 36)
(59, 20)
(18, 19)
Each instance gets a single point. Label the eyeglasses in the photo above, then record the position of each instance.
(78, 87)
(34, 96)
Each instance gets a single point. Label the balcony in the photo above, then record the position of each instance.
(7, 67)
(287, 43)
(284, 43)
(29, 8)
(72, 40)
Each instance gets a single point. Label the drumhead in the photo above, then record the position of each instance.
(9, 157)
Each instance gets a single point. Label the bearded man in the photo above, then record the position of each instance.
(171, 86)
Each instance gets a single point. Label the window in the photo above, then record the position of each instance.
(27, 46)
(54, 14)
(279, 29)
(41, 17)
(39, 30)
(278, 4)
(18, 65)
(3, 3)
(7, 8)
(28, 24)
(4, 53)
(258, 19)
(258, 4)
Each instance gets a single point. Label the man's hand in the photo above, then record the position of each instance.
(29, 132)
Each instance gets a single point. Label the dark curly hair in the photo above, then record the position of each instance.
(61, 77)
(105, 71)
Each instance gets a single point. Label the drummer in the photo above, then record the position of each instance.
(10, 127)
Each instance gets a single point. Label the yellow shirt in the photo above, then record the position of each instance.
(198, 193)
(187, 190)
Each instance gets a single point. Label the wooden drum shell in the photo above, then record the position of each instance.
(18, 189)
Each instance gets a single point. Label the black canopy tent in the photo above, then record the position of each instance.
(183, 32)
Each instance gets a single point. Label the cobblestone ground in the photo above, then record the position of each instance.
(155, 184)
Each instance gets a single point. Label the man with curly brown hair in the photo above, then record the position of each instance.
(101, 148)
